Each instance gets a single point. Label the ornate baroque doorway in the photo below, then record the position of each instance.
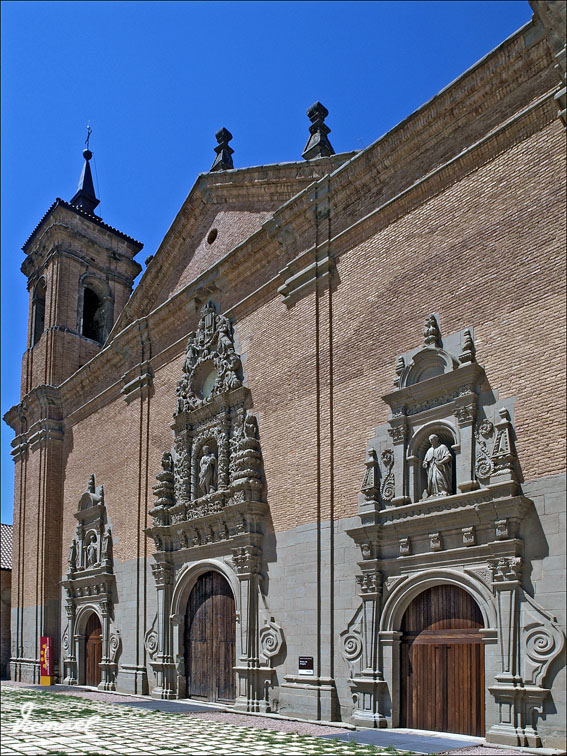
(442, 663)
(210, 632)
(93, 650)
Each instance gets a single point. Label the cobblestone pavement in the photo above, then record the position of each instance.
(35, 722)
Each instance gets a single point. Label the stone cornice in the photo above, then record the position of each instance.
(61, 235)
(92, 221)
(36, 420)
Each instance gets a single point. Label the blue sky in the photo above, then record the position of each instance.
(157, 79)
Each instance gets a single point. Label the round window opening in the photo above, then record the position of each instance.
(213, 233)
(209, 383)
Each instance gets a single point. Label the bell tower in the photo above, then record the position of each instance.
(80, 275)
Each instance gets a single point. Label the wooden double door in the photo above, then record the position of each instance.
(93, 650)
(210, 635)
(442, 663)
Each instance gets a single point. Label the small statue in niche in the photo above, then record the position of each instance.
(107, 545)
(92, 552)
(72, 558)
(207, 471)
(438, 462)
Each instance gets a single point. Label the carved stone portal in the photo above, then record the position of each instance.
(89, 586)
(451, 511)
(210, 501)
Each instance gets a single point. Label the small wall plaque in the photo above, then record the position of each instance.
(305, 665)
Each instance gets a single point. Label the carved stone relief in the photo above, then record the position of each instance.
(211, 364)
(378, 484)
(351, 640)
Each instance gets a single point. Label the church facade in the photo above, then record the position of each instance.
(313, 463)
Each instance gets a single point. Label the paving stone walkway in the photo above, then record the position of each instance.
(36, 722)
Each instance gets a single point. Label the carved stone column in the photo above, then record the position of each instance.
(107, 681)
(163, 663)
(508, 691)
(398, 431)
(368, 684)
(465, 413)
(80, 644)
(223, 450)
(70, 663)
(249, 682)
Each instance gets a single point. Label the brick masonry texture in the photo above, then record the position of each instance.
(458, 211)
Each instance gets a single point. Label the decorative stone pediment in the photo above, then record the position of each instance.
(210, 489)
(90, 556)
(448, 433)
(211, 364)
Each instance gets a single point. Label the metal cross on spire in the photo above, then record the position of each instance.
(89, 132)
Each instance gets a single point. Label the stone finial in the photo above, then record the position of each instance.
(400, 367)
(371, 484)
(223, 160)
(469, 351)
(318, 144)
(431, 332)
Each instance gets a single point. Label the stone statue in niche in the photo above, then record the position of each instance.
(72, 558)
(92, 552)
(438, 463)
(107, 545)
(207, 471)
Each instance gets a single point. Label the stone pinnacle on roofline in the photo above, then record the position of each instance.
(318, 144)
(223, 160)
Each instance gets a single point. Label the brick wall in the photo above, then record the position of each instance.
(5, 602)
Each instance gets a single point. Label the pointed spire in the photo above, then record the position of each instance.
(85, 197)
(318, 144)
(223, 160)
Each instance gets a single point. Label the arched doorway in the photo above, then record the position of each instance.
(442, 663)
(210, 633)
(93, 650)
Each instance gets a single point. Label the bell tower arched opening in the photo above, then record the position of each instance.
(38, 311)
